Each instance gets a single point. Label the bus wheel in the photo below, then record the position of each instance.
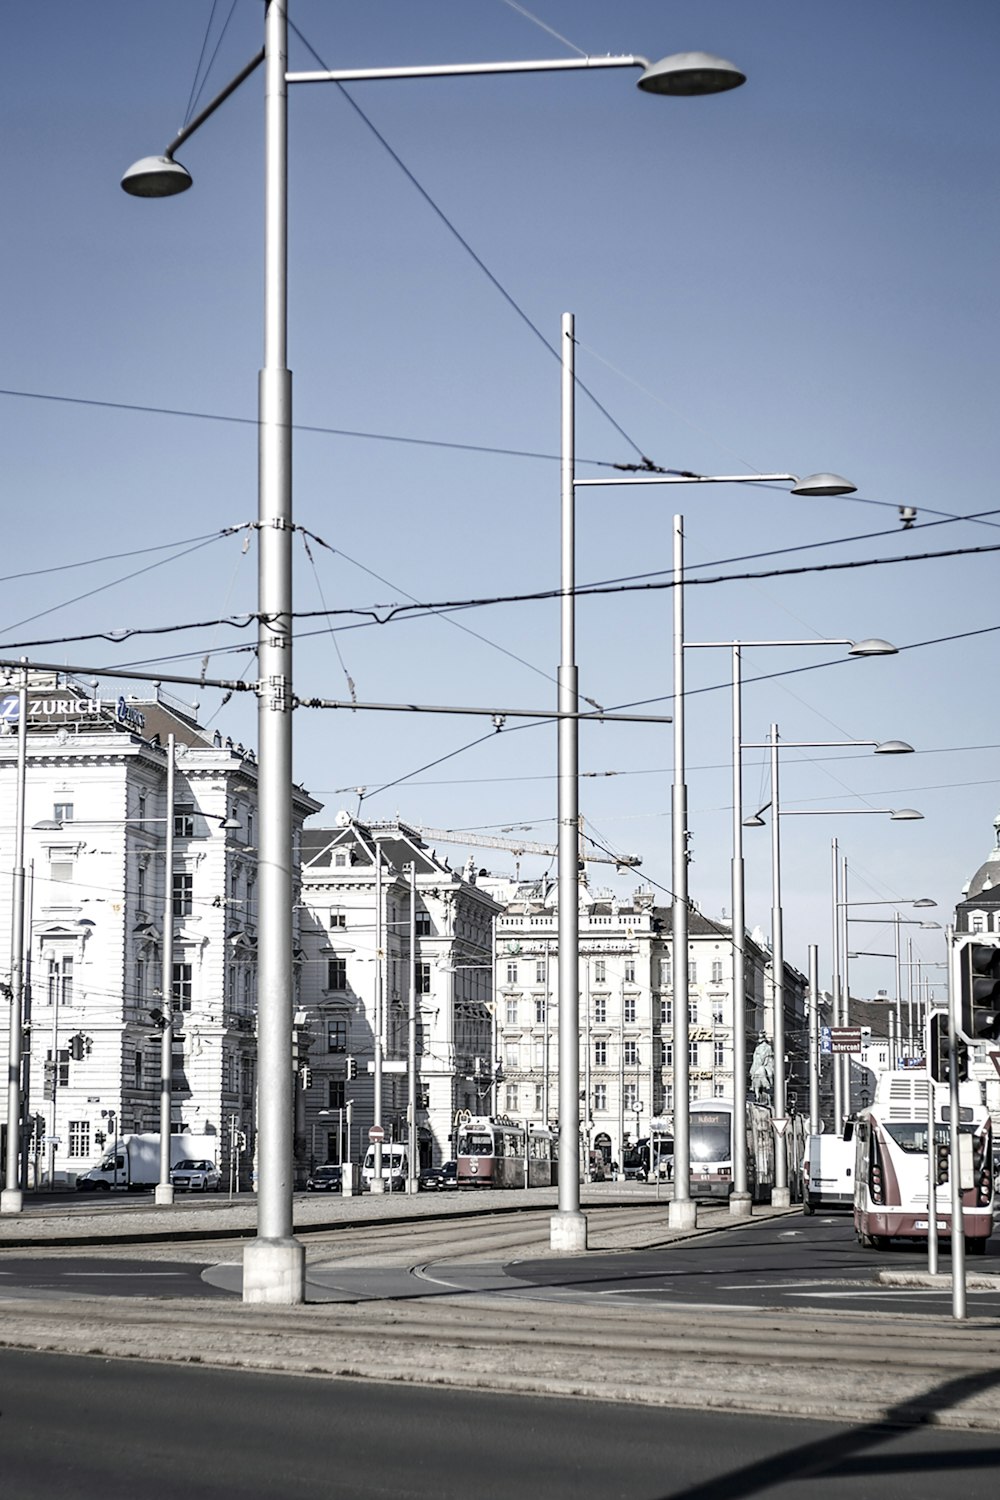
(880, 1242)
(976, 1244)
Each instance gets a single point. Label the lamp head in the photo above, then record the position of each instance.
(689, 73)
(893, 747)
(924, 902)
(823, 484)
(904, 815)
(873, 647)
(756, 821)
(156, 177)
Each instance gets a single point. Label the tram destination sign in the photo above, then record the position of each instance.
(845, 1039)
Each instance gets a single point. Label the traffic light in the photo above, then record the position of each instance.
(305, 1075)
(938, 1059)
(77, 1048)
(352, 1067)
(977, 960)
(942, 1161)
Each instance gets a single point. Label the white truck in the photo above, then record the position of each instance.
(828, 1171)
(133, 1161)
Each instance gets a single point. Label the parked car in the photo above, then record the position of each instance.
(328, 1179)
(192, 1176)
(449, 1174)
(429, 1180)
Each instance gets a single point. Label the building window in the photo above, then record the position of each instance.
(336, 973)
(692, 971)
(423, 978)
(61, 865)
(62, 812)
(667, 1011)
(512, 973)
(79, 1137)
(142, 810)
(183, 892)
(668, 1054)
(600, 1054)
(631, 1096)
(668, 1096)
(666, 973)
(184, 820)
(600, 971)
(719, 1054)
(182, 986)
(978, 924)
(717, 1016)
(512, 1054)
(59, 987)
(336, 1093)
(540, 971)
(539, 1098)
(630, 1003)
(539, 1012)
(510, 1010)
(717, 971)
(136, 1072)
(338, 919)
(340, 859)
(423, 923)
(718, 1089)
(631, 1055)
(693, 1054)
(692, 1012)
(601, 1010)
(630, 971)
(510, 1098)
(140, 981)
(336, 1035)
(600, 1098)
(538, 1053)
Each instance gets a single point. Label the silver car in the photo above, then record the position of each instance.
(191, 1176)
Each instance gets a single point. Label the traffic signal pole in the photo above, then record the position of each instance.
(957, 1228)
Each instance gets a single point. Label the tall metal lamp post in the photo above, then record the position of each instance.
(740, 1205)
(781, 1194)
(274, 1263)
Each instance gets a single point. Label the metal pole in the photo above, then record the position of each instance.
(814, 1122)
(683, 1212)
(838, 1101)
(411, 1043)
(780, 1195)
(909, 997)
(899, 985)
(12, 1198)
(740, 1202)
(377, 1183)
(932, 1229)
(164, 1192)
(955, 1169)
(274, 1263)
(844, 1060)
(55, 978)
(568, 1227)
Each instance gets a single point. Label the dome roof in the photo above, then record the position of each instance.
(986, 881)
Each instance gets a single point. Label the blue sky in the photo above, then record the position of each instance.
(798, 275)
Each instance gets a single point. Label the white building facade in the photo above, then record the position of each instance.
(358, 882)
(95, 791)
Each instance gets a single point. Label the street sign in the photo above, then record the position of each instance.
(845, 1039)
(780, 1125)
(51, 1140)
(376, 1133)
(824, 1039)
(392, 1065)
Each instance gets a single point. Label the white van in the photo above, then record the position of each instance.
(828, 1171)
(395, 1167)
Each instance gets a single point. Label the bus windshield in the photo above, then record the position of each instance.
(710, 1137)
(911, 1136)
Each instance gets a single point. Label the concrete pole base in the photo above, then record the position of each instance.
(412, 1185)
(683, 1214)
(274, 1271)
(377, 1185)
(11, 1201)
(163, 1193)
(568, 1232)
(781, 1197)
(740, 1205)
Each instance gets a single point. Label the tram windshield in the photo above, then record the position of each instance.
(475, 1145)
(709, 1133)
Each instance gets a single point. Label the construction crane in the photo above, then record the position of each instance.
(526, 846)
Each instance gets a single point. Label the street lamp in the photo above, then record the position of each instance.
(781, 1194)
(740, 1204)
(569, 1225)
(274, 1263)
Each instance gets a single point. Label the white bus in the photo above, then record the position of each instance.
(891, 1197)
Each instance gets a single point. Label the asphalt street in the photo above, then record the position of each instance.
(82, 1428)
